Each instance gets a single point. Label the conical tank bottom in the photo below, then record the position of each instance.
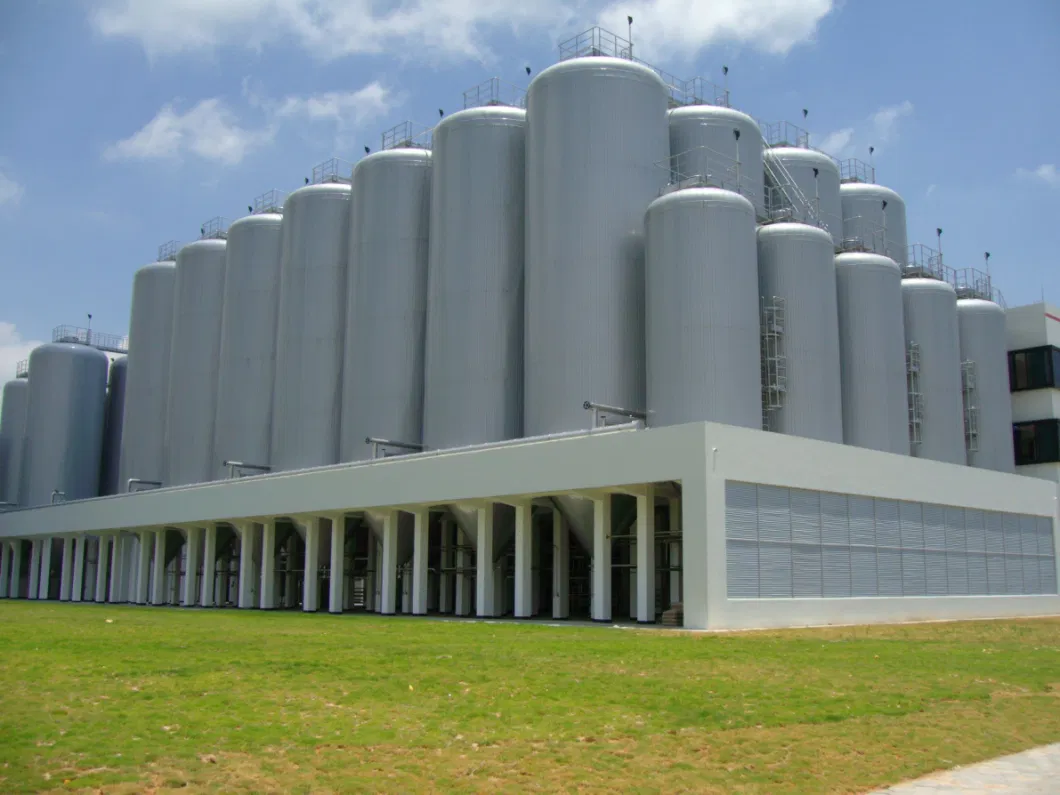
(503, 525)
(406, 536)
(578, 511)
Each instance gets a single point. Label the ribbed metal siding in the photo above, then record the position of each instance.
(247, 369)
(822, 191)
(930, 312)
(982, 334)
(741, 523)
(473, 383)
(796, 262)
(64, 423)
(866, 219)
(871, 353)
(306, 402)
(596, 128)
(835, 545)
(12, 432)
(192, 402)
(147, 379)
(382, 393)
(110, 467)
(702, 310)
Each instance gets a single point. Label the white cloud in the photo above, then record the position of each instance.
(885, 120)
(13, 349)
(931, 189)
(880, 128)
(838, 143)
(10, 191)
(1046, 172)
(453, 28)
(347, 109)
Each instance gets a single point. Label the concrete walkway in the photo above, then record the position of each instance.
(1034, 772)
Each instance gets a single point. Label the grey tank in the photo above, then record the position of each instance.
(796, 262)
(147, 376)
(982, 333)
(866, 219)
(930, 311)
(109, 476)
(382, 389)
(197, 309)
(702, 142)
(473, 384)
(306, 401)
(872, 352)
(701, 291)
(64, 423)
(818, 194)
(596, 129)
(247, 359)
(12, 432)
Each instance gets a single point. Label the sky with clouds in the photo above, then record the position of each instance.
(128, 123)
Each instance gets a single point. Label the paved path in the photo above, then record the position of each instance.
(1034, 772)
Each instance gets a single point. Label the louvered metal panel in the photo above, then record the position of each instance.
(1013, 574)
(1032, 579)
(1045, 537)
(934, 527)
(1011, 523)
(835, 538)
(741, 529)
(774, 515)
(741, 511)
(1013, 550)
(888, 553)
(995, 533)
(975, 530)
(1047, 574)
(978, 582)
(935, 571)
(742, 569)
(1028, 535)
(911, 515)
(956, 552)
(774, 536)
(863, 573)
(805, 517)
(807, 570)
(775, 572)
(995, 568)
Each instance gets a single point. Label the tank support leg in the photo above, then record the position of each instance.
(524, 558)
(560, 566)
(602, 558)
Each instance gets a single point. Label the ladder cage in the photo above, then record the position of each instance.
(915, 396)
(774, 360)
(970, 402)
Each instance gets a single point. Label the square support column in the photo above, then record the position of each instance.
(44, 585)
(632, 575)
(388, 594)
(675, 550)
(420, 539)
(560, 566)
(102, 564)
(536, 568)
(311, 581)
(462, 601)
(34, 568)
(5, 567)
(485, 577)
(371, 584)
(16, 568)
(66, 573)
(602, 558)
(192, 545)
(337, 590)
(445, 597)
(524, 560)
(209, 566)
(117, 570)
(143, 566)
(158, 569)
(77, 587)
(248, 534)
(268, 565)
(646, 556)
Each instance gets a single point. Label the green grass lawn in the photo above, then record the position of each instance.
(133, 699)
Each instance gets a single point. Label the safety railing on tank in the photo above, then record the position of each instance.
(333, 169)
(925, 262)
(167, 252)
(970, 401)
(683, 171)
(494, 92)
(214, 229)
(271, 201)
(595, 41)
(974, 283)
(784, 133)
(699, 91)
(785, 200)
(112, 343)
(870, 236)
(407, 135)
(22, 368)
(854, 170)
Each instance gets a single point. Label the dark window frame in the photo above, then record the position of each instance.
(1034, 368)
(1036, 442)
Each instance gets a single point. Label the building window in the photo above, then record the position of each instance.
(1037, 442)
(1033, 368)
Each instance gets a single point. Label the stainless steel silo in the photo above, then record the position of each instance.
(64, 424)
(147, 376)
(473, 384)
(807, 182)
(985, 384)
(874, 218)
(109, 476)
(872, 352)
(247, 359)
(797, 279)
(192, 402)
(382, 390)
(311, 323)
(12, 432)
(701, 291)
(704, 140)
(933, 347)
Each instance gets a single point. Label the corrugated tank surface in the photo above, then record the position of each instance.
(702, 142)
(872, 352)
(816, 192)
(247, 361)
(473, 386)
(982, 332)
(147, 377)
(930, 312)
(874, 216)
(796, 262)
(311, 326)
(701, 290)
(387, 299)
(12, 431)
(192, 403)
(64, 423)
(596, 130)
(117, 378)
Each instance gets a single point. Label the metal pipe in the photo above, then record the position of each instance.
(140, 482)
(60, 494)
(602, 408)
(234, 465)
(378, 443)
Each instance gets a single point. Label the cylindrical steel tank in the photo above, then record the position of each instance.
(930, 312)
(701, 296)
(796, 264)
(147, 377)
(247, 360)
(64, 424)
(311, 324)
(597, 131)
(192, 403)
(872, 352)
(12, 432)
(382, 388)
(473, 384)
(984, 359)
(703, 141)
(109, 475)
(791, 177)
(874, 217)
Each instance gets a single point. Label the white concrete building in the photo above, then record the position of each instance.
(1033, 339)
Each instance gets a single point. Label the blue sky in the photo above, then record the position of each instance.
(127, 123)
